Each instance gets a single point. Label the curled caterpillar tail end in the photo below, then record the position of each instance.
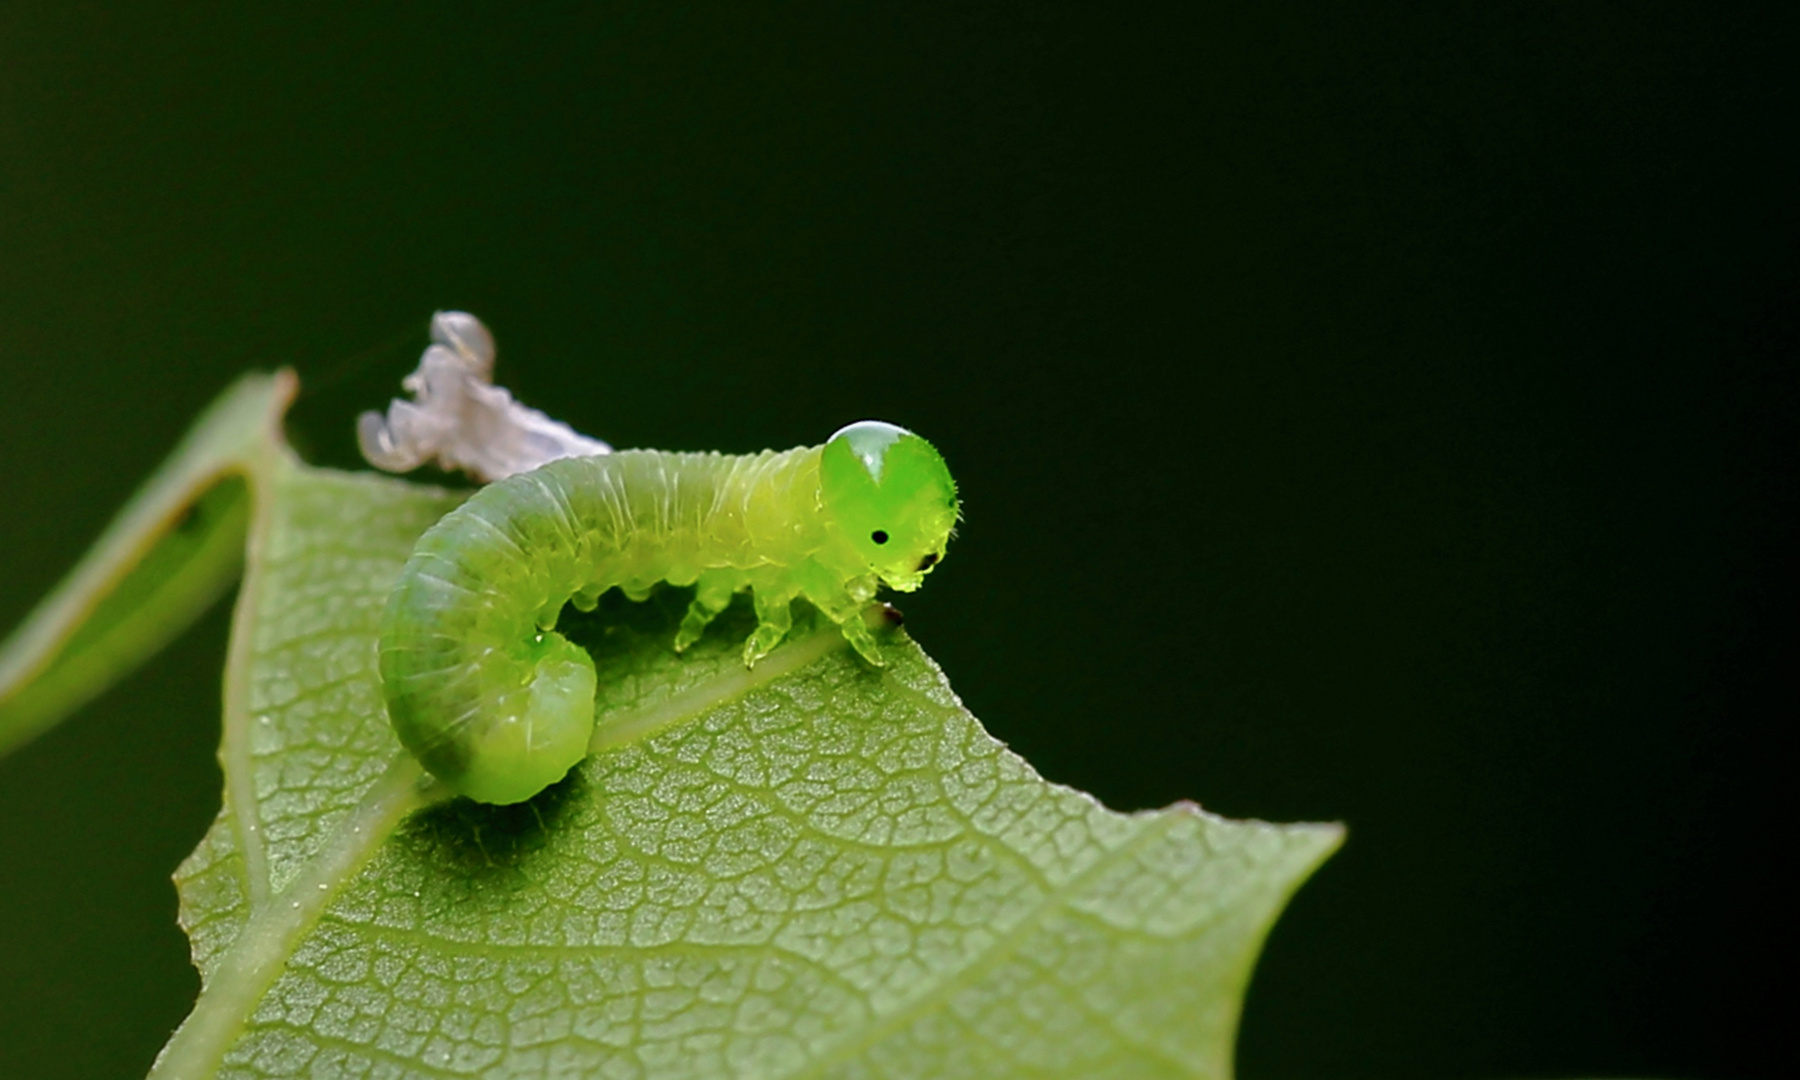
(520, 756)
(510, 745)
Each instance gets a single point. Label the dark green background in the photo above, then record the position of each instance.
(1378, 416)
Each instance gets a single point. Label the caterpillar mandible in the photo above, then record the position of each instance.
(495, 703)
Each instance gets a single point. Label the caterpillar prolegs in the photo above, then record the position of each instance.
(495, 703)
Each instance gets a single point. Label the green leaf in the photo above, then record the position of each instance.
(812, 869)
(174, 549)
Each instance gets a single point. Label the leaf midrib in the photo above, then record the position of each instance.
(234, 749)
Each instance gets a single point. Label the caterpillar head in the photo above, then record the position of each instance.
(891, 495)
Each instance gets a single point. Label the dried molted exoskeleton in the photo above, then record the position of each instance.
(460, 418)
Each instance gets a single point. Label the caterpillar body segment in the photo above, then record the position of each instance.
(485, 693)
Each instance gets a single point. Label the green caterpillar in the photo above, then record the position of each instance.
(483, 691)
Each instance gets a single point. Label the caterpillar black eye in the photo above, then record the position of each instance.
(879, 536)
